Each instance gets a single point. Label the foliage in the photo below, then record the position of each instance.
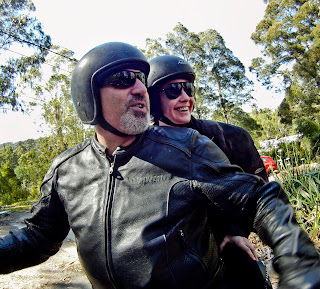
(31, 160)
(10, 186)
(18, 28)
(221, 84)
(271, 124)
(58, 111)
(290, 36)
(301, 182)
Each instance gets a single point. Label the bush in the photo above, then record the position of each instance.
(302, 185)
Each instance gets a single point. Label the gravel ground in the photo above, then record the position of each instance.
(61, 271)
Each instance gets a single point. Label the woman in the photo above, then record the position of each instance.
(172, 96)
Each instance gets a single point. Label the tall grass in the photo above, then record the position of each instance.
(302, 185)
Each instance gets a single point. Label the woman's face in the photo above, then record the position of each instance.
(177, 110)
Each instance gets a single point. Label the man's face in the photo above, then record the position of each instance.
(177, 110)
(126, 109)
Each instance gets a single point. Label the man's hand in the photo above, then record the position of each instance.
(242, 243)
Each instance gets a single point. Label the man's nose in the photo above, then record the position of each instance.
(139, 87)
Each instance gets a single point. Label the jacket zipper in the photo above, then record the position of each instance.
(112, 161)
(192, 253)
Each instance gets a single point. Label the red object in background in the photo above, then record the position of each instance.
(269, 164)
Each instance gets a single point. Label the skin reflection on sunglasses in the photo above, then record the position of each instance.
(177, 110)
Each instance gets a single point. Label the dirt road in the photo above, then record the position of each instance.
(62, 270)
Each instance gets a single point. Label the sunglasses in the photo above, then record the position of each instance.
(173, 90)
(124, 79)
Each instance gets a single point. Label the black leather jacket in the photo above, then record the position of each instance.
(138, 218)
(235, 142)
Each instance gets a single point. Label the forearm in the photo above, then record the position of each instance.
(295, 257)
(21, 249)
(41, 238)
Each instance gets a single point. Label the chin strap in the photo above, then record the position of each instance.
(105, 125)
(169, 122)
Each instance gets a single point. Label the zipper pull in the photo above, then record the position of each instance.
(112, 162)
(111, 168)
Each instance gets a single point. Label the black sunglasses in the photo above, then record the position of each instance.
(173, 90)
(124, 79)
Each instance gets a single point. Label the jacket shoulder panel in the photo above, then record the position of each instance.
(64, 156)
(197, 147)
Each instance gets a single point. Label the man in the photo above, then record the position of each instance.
(143, 208)
(172, 96)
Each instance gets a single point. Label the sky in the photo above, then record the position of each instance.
(81, 25)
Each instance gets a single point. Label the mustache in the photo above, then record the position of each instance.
(136, 98)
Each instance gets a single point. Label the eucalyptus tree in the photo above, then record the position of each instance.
(271, 123)
(65, 130)
(21, 35)
(53, 95)
(289, 35)
(221, 83)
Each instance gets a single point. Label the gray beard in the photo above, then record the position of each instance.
(132, 123)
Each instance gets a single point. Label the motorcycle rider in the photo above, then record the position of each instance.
(172, 97)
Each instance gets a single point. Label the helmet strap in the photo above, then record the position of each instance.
(169, 122)
(105, 125)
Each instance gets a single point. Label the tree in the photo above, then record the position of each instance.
(221, 84)
(290, 36)
(31, 160)
(19, 29)
(271, 123)
(55, 101)
(227, 83)
(10, 184)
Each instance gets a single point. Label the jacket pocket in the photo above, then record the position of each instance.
(192, 254)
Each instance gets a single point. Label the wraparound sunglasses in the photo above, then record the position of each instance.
(124, 79)
(173, 90)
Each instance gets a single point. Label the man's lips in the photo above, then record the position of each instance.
(138, 105)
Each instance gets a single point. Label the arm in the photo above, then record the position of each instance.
(295, 257)
(41, 238)
(242, 151)
(265, 209)
(235, 142)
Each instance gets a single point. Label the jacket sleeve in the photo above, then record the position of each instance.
(235, 142)
(295, 257)
(242, 151)
(265, 209)
(41, 238)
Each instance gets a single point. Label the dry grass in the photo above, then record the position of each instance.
(266, 255)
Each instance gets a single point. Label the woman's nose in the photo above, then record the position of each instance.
(183, 96)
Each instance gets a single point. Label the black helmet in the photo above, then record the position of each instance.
(99, 63)
(162, 69)
(167, 67)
